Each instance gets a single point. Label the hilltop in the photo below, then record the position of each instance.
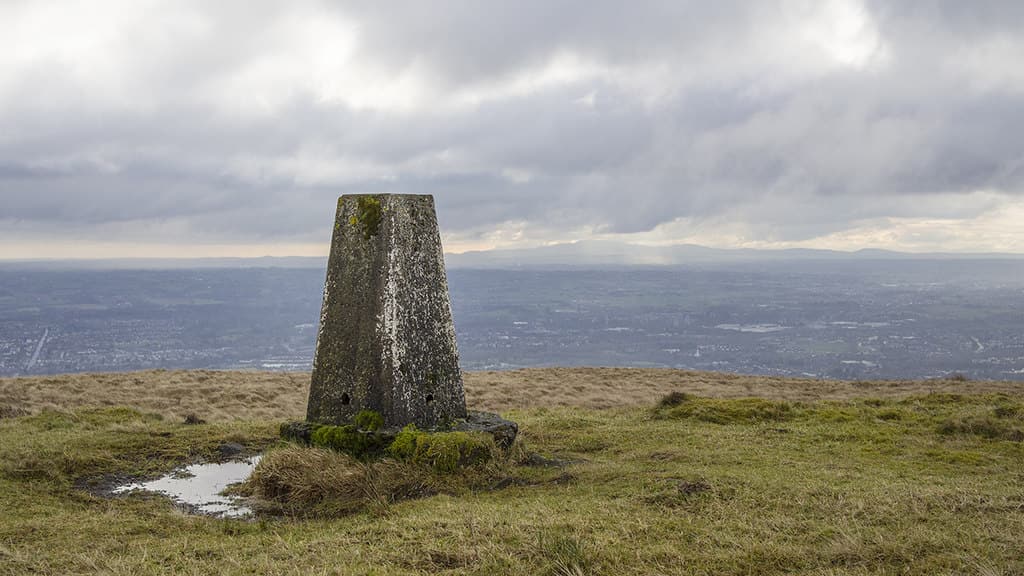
(612, 475)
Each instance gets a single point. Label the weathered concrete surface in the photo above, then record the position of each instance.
(386, 341)
(503, 431)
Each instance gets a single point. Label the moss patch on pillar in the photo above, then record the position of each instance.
(368, 216)
(368, 420)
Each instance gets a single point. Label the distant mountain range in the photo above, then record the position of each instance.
(582, 254)
(596, 253)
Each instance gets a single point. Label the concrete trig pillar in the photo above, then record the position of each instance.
(386, 341)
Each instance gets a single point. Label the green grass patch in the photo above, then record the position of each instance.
(60, 447)
(923, 485)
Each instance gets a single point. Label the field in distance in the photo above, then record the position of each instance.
(617, 471)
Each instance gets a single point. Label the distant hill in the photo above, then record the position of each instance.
(592, 253)
(582, 254)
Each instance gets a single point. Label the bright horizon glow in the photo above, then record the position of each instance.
(891, 235)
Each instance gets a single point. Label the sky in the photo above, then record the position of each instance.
(184, 128)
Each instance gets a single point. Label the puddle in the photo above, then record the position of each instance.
(198, 487)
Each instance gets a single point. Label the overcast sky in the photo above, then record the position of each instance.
(192, 128)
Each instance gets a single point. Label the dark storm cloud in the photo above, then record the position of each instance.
(796, 119)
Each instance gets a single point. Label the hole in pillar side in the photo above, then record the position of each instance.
(429, 398)
(345, 400)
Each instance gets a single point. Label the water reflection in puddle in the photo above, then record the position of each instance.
(199, 487)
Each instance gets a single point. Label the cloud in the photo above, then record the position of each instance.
(238, 123)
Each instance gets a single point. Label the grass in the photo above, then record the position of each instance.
(881, 484)
(744, 410)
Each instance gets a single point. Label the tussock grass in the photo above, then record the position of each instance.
(318, 482)
(673, 399)
(985, 426)
(304, 481)
(742, 411)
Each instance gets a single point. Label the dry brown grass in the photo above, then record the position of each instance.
(222, 395)
(612, 387)
(211, 395)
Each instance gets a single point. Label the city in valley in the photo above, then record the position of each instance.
(871, 319)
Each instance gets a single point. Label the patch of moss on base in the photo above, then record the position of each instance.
(348, 439)
(445, 452)
(359, 439)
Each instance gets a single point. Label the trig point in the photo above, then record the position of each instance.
(386, 341)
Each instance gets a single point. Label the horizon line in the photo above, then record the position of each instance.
(58, 259)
